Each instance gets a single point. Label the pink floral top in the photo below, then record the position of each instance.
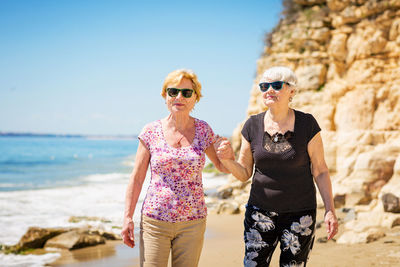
(175, 193)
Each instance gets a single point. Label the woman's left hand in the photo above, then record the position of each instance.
(331, 223)
(223, 148)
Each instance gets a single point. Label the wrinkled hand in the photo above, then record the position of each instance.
(331, 223)
(127, 233)
(223, 148)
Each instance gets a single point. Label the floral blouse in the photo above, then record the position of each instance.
(175, 193)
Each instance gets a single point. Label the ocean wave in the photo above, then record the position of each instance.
(129, 161)
(108, 177)
(48, 160)
(98, 195)
(213, 181)
(54, 206)
(20, 185)
(12, 260)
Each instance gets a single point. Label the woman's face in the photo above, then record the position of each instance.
(179, 103)
(273, 97)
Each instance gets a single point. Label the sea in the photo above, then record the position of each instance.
(46, 180)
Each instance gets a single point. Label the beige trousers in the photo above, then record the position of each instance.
(183, 239)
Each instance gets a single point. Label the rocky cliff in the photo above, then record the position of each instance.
(346, 55)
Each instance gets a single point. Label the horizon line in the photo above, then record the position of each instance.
(33, 134)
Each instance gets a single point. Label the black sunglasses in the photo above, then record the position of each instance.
(174, 92)
(275, 85)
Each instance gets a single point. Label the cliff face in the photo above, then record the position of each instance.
(346, 55)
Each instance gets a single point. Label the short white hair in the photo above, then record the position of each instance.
(279, 73)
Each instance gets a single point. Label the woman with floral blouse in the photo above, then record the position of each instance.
(284, 148)
(173, 213)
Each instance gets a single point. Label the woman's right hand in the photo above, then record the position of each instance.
(127, 233)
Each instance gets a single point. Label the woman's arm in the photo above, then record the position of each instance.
(321, 177)
(243, 168)
(212, 155)
(133, 191)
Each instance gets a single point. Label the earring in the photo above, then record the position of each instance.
(290, 99)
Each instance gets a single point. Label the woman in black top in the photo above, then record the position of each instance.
(284, 147)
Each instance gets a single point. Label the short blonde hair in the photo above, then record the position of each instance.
(280, 73)
(175, 77)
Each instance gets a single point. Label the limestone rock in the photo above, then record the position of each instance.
(365, 43)
(224, 192)
(111, 236)
(74, 240)
(228, 207)
(76, 219)
(337, 5)
(236, 138)
(391, 203)
(309, 2)
(352, 237)
(329, 141)
(338, 47)
(374, 235)
(311, 77)
(107, 235)
(212, 204)
(394, 29)
(36, 237)
(346, 55)
(393, 186)
(373, 166)
(387, 113)
(70, 238)
(372, 216)
(339, 200)
(355, 110)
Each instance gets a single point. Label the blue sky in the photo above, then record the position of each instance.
(97, 67)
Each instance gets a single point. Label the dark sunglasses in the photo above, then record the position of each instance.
(174, 92)
(275, 85)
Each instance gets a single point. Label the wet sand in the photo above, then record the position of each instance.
(223, 246)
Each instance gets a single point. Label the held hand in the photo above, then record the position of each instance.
(218, 142)
(331, 224)
(223, 148)
(127, 233)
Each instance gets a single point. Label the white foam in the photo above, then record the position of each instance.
(27, 260)
(102, 195)
(212, 181)
(105, 198)
(109, 177)
(12, 185)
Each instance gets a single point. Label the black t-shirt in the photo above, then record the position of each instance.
(282, 179)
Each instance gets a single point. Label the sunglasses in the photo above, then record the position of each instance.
(275, 85)
(174, 92)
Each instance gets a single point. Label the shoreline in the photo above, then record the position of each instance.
(224, 246)
(103, 195)
(221, 230)
(112, 253)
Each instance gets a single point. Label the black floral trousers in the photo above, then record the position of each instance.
(263, 230)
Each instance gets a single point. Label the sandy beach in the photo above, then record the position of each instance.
(224, 246)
